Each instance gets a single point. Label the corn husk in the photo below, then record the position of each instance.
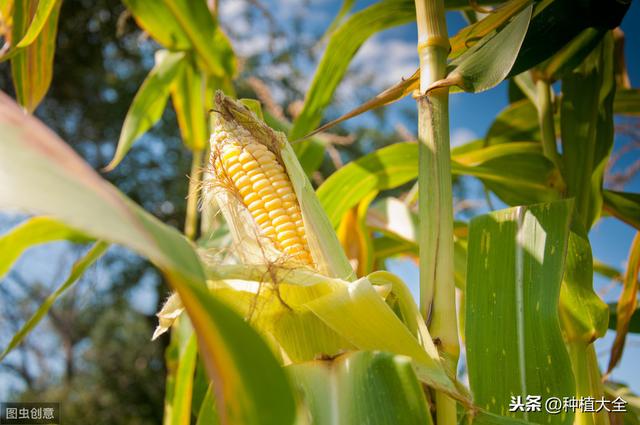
(328, 257)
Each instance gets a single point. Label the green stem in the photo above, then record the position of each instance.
(435, 199)
(547, 125)
(178, 342)
(435, 204)
(195, 179)
(588, 381)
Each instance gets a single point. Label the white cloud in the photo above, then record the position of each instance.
(462, 135)
(388, 60)
(230, 9)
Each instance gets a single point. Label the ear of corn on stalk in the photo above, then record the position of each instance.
(277, 223)
(264, 188)
(267, 200)
(310, 305)
(265, 196)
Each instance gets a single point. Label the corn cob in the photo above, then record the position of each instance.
(258, 177)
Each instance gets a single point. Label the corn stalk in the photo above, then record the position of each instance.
(195, 181)
(435, 203)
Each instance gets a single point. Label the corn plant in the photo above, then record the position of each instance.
(293, 318)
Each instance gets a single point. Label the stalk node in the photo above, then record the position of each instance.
(435, 41)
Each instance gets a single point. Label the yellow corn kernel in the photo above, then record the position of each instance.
(265, 189)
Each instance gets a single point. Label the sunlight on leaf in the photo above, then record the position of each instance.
(516, 172)
(44, 11)
(387, 387)
(489, 61)
(34, 231)
(187, 94)
(32, 65)
(515, 267)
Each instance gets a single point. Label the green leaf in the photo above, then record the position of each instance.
(35, 231)
(252, 387)
(208, 40)
(627, 101)
(383, 169)
(186, 25)
(459, 44)
(160, 23)
(207, 414)
(77, 270)
(283, 301)
(515, 173)
(571, 55)
(516, 122)
(583, 314)
(149, 103)
(183, 389)
(583, 317)
(187, 94)
(362, 317)
(515, 266)
(523, 178)
(477, 154)
(627, 303)
(389, 246)
(530, 169)
(555, 23)
(387, 389)
(343, 45)
(624, 206)
(32, 65)
(586, 119)
(44, 10)
(482, 417)
(524, 82)
(310, 154)
(201, 385)
(178, 385)
(489, 61)
(473, 34)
